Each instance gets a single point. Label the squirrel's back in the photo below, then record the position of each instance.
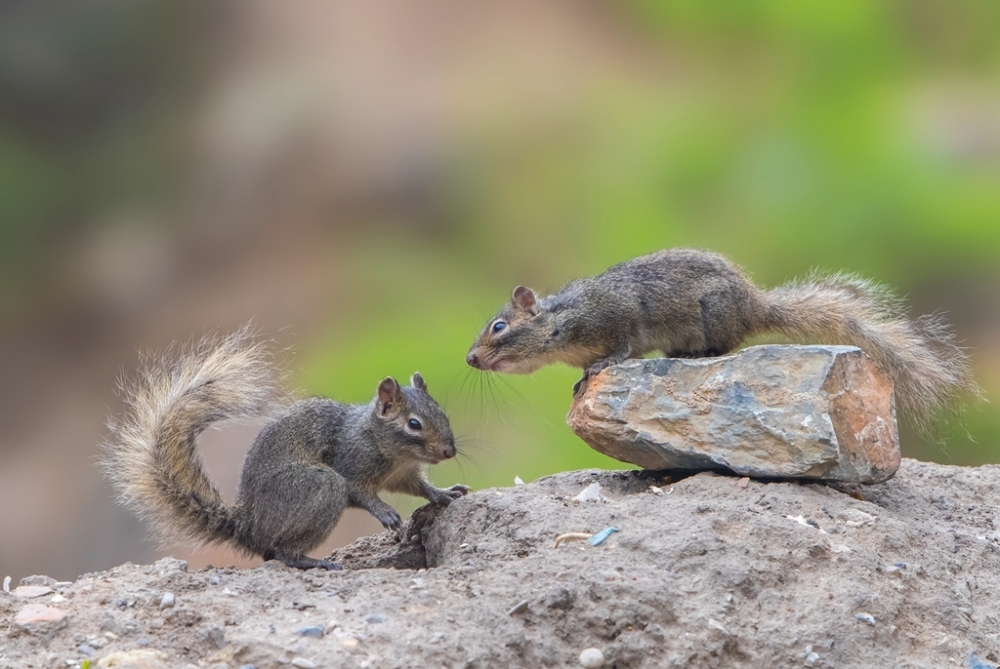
(694, 303)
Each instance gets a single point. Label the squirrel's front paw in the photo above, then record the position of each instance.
(390, 519)
(445, 496)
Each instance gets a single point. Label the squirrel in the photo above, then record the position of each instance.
(690, 303)
(314, 458)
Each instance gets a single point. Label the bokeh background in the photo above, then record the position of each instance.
(369, 180)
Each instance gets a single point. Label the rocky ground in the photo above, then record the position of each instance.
(705, 571)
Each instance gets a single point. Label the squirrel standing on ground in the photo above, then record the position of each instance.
(690, 303)
(315, 457)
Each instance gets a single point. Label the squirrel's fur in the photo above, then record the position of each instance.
(693, 303)
(312, 460)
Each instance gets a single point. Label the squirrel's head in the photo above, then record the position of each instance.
(518, 340)
(417, 424)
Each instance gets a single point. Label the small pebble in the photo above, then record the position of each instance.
(86, 650)
(376, 619)
(314, 632)
(520, 607)
(217, 637)
(247, 666)
(30, 591)
(37, 615)
(592, 658)
(303, 663)
(144, 641)
(592, 493)
(865, 617)
(167, 600)
(216, 580)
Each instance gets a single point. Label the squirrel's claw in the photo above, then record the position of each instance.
(445, 496)
(390, 520)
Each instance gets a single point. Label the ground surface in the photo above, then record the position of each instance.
(706, 571)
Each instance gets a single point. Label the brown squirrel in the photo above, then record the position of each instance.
(691, 303)
(312, 460)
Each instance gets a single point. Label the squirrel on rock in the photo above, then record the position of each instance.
(690, 303)
(314, 458)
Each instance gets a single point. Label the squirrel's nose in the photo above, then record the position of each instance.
(449, 450)
(472, 359)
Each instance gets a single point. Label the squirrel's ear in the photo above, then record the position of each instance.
(524, 299)
(417, 381)
(388, 395)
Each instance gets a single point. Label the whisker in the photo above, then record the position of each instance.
(491, 386)
(523, 399)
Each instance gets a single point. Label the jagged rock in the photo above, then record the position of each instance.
(816, 412)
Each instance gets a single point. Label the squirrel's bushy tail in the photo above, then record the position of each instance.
(929, 370)
(150, 454)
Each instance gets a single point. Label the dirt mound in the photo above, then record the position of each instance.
(706, 571)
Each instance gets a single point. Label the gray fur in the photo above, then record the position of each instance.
(693, 303)
(313, 459)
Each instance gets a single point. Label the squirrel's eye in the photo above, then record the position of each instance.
(414, 424)
(498, 326)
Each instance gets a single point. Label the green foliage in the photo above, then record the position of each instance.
(788, 135)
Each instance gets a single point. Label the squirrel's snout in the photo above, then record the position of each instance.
(449, 450)
(472, 359)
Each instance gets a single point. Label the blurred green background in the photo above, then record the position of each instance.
(370, 181)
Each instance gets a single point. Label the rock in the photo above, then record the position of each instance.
(38, 618)
(168, 600)
(31, 591)
(592, 658)
(314, 632)
(816, 412)
(135, 659)
(520, 607)
(217, 637)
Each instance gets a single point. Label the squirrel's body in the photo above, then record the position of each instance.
(692, 303)
(314, 458)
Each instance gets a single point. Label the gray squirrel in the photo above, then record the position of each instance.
(314, 458)
(691, 303)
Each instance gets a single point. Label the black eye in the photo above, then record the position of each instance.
(414, 424)
(498, 326)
